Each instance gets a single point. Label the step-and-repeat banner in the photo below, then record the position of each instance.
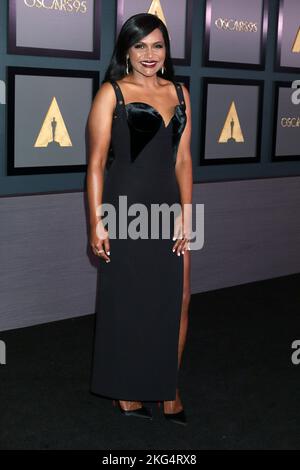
(47, 108)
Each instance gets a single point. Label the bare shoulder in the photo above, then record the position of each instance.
(104, 100)
(105, 92)
(169, 83)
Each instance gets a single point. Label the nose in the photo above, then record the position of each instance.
(149, 55)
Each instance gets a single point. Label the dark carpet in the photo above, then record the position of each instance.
(238, 384)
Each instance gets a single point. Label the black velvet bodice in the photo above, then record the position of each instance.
(144, 122)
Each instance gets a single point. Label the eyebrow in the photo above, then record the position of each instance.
(138, 42)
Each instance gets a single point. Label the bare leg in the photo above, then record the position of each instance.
(185, 305)
(174, 406)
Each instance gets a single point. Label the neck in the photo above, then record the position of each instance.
(144, 81)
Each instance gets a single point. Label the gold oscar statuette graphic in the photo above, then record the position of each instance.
(156, 9)
(296, 45)
(53, 131)
(232, 131)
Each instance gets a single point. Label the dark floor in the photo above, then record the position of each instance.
(238, 384)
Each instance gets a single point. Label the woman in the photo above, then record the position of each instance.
(139, 130)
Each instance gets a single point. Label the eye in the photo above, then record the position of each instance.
(159, 45)
(138, 46)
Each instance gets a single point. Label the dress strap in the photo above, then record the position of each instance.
(180, 93)
(119, 95)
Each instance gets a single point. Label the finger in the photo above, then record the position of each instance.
(177, 228)
(176, 233)
(188, 245)
(97, 250)
(180, 247)
(101, 253)
(185, 246)
(175, 245)
(106, 246)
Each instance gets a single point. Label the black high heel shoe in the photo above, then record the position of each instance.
(141, 412)
(178, 418)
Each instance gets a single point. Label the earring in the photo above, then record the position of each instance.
(127, 69)
(162, 70)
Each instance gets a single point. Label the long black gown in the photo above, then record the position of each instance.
(139, 294)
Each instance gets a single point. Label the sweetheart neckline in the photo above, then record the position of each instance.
(157, 112)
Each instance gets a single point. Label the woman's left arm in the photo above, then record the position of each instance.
(184, 169)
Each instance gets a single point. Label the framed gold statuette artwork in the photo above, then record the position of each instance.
(286, 136)
(231, 127)
(47, 115)
(288, 37)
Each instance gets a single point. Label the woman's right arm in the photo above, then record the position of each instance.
(99, 136)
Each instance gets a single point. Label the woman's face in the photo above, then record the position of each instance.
(148, 55)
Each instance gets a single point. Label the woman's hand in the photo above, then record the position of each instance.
(181, 236)
(99, 241)
(181, 245)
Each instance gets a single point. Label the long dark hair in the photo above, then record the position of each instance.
(133, 30)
